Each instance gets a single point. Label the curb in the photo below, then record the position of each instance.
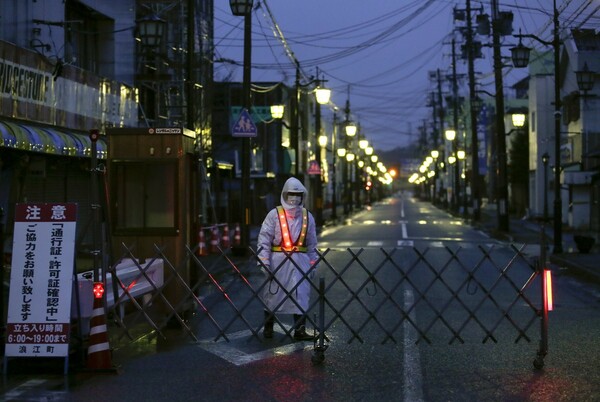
(579, 269)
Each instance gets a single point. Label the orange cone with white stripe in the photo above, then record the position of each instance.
(225, 243)
(214, 241)
(202, 250)
(99, 355)
(237, 235)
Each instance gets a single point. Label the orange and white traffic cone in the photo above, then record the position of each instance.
(99, 354)
(214, 241)
(225, 243)
(202, 250)
(237, 235)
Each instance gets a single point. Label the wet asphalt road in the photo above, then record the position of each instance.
(253, 369)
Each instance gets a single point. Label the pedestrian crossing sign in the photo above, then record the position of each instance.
(244, 126)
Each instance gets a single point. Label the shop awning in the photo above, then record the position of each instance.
(34, 138)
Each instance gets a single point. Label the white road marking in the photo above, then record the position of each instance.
(228, 352)
(375, 244)
(413, 382)
(404, 231)
(405, 243)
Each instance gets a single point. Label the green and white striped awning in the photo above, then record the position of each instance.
(34, 138)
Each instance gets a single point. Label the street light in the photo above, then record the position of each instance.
(322, 96)
(545, 158)
(520, 57)
(244, 8)
(277, 111)
(151, 29)
(451, 136)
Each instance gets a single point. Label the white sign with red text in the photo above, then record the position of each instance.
(39, 304)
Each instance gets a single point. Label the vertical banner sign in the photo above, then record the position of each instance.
(39, 304)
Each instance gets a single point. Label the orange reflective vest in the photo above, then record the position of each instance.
(286, 239)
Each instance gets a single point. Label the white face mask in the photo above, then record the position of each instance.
(294, 200)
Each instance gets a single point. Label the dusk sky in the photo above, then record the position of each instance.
(378, 52)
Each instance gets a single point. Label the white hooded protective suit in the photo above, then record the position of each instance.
(278, 264)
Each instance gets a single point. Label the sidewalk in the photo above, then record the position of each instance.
(526, 231)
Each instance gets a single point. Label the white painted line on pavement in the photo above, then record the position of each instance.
(228, 352)
(402, 208)
(404, 231)
(375, 244)
(413, 381)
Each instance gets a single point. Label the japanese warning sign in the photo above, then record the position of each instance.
(39, 304)
(244, 126)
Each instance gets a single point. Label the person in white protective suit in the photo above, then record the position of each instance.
(287, 245)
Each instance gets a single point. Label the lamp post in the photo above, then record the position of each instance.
(333, 170)
(520, 58)
(451, 136)
(322, 96)
(545, 158)
(350, 129)
(461, 155)
(244, 8)
(502, 183)
(341, 152)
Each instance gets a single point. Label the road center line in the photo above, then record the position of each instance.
(413, 381)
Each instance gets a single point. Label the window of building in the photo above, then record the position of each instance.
(145, 197)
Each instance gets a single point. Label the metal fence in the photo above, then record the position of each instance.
(444, 294)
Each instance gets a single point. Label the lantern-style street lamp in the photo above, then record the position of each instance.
(520, 58)
(150, 30)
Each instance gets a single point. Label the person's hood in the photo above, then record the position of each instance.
(293, 185)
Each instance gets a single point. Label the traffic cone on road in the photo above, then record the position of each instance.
(214, 241)
(237, 235)
(99, 354)
(202, 250)
(225, 243)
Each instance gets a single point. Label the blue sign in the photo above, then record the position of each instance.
(244, 126)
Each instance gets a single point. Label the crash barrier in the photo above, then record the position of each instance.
(452, 294)
(134, 279)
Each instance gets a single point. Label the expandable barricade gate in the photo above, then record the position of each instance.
(451, 294)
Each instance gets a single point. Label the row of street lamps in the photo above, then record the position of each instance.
(322, 95)
(520, 57)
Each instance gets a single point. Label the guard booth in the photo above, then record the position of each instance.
(152, 184)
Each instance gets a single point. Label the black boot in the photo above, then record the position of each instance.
(269, 322)
(300, 329)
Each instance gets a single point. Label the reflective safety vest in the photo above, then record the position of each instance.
(286, 239)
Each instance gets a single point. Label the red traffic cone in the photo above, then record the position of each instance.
(99, 354)
(237, 235)
(202, 250)
(225, 243)
(214, 241)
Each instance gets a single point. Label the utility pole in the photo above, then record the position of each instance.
(295, 121)
(456, 192)
(558, 249)
(440, 137)
(245, 193)
(474, 140)
(502, 183)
